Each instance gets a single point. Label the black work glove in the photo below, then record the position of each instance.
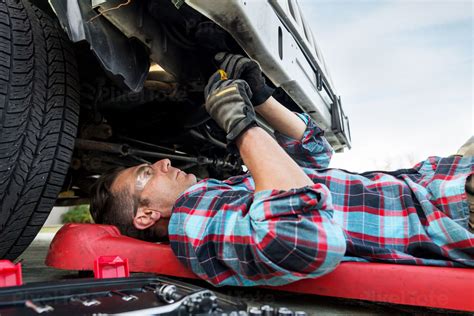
(240, 67)
(228, 103)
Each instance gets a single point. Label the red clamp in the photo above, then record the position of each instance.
(10, 274)
(111, 267)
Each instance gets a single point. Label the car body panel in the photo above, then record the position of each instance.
(286, 55)
(273, 32)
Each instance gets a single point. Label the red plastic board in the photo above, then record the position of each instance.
(10, 274)
(75, 247)
(111, 267)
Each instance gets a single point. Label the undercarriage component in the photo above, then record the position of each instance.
(148, 31)
(182, 41)
(288, 55)
(182, 36)
(125, 150)
(125, 60)
(207, 138)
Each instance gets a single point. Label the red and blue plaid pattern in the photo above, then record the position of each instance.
(229, 235)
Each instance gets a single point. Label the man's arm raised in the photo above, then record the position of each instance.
(281, 119)
(280, 234)
(228, 103)
(269, 164)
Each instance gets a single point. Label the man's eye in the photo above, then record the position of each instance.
(148, 172)
(143, 177)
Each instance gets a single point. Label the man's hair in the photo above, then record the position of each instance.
(117, 208)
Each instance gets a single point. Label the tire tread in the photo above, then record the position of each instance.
(39, 112)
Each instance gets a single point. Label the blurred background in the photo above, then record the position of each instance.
(404, 70)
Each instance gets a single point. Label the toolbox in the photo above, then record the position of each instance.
(138, 295)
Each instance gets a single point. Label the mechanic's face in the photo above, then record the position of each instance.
(154, 189)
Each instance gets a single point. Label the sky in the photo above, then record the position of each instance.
(404, 70)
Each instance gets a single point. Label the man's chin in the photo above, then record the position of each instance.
(190, 179)
(193, 179)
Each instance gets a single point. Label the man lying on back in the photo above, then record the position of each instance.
(290, 217)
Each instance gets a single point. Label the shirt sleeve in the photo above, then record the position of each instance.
(268, 238)
(312, 151)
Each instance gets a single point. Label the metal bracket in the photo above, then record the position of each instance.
(340, 122)
(178, 3)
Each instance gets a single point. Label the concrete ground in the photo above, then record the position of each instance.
(34, 270)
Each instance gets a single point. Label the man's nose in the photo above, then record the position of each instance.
(163, 165)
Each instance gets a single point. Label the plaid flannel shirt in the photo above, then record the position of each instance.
(230, 235)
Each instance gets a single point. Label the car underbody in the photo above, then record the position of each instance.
(143, 66)
(86, 86)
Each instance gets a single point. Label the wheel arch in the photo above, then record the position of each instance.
(130, 63)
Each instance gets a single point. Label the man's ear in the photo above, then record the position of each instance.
(145, 218)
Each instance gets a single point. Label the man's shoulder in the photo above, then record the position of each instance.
(210, 196)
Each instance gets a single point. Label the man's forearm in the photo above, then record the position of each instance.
(281, 119)
(269, 164)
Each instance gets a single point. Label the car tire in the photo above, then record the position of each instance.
(39, 113)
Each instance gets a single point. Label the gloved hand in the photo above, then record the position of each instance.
(228, 103)
(240, 67)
